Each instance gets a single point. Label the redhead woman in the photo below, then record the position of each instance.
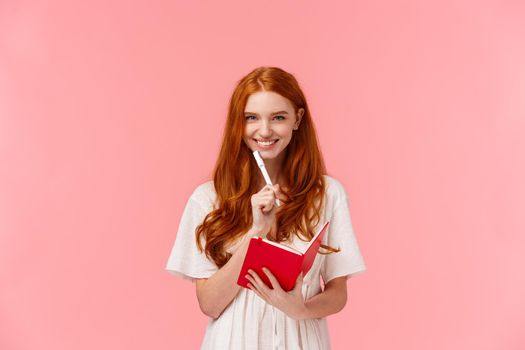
(268, 113)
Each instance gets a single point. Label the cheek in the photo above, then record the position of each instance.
(248, 131)
(285, 131)
(287, 136)
(247, 135)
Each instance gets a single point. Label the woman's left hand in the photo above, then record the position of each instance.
(291, 303)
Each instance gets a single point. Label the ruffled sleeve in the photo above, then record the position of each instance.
(348, 261)
(185, 260)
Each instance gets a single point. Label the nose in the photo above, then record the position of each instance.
(265, 130)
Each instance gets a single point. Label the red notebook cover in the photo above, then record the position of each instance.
(284, 262)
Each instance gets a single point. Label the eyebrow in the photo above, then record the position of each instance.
(280, 112)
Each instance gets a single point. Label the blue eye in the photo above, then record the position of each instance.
(252, 116)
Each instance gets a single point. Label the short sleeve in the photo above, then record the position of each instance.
(185, 259)
(348, 261)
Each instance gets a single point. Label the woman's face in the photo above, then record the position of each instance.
(270, 121)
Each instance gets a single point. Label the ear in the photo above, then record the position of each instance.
(300, 113)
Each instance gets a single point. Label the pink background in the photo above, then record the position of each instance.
(111, 112)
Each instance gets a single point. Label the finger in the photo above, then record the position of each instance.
(261, 286)
(281, 196)
(266, 209)
(254, 289)
(252, 282)
(253, 277)
(277, 191)
(267, 188)
(255, 286)
(299, 283)
(275, 283)
(270, 197)
(267, 197)
(267, 206)
(264, 202)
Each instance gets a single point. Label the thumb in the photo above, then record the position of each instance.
(277, 189)
(299, 283)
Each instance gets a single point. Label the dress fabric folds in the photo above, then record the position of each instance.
(248, 322)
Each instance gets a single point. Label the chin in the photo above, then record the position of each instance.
(269, 154)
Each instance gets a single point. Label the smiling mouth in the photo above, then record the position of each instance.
(266, 143)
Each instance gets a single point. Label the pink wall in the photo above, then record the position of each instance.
(110, 115)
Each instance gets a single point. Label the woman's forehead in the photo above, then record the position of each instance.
(267, 102)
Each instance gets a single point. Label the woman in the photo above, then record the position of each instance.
(268, 112)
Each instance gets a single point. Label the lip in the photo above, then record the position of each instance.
(264, 147)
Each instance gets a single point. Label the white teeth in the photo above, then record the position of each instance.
(268, 143)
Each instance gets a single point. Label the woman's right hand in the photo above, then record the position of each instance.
(263, 210)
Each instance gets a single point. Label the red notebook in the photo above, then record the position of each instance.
(284, 262)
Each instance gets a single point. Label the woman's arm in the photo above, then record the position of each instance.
(216, 292)
(330, 301)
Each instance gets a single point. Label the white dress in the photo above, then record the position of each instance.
(248, 322)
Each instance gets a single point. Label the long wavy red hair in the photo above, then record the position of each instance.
(236, 172)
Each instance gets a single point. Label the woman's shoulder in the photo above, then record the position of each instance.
(204, 194)
(334, 189)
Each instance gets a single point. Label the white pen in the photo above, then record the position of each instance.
(260, 163)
